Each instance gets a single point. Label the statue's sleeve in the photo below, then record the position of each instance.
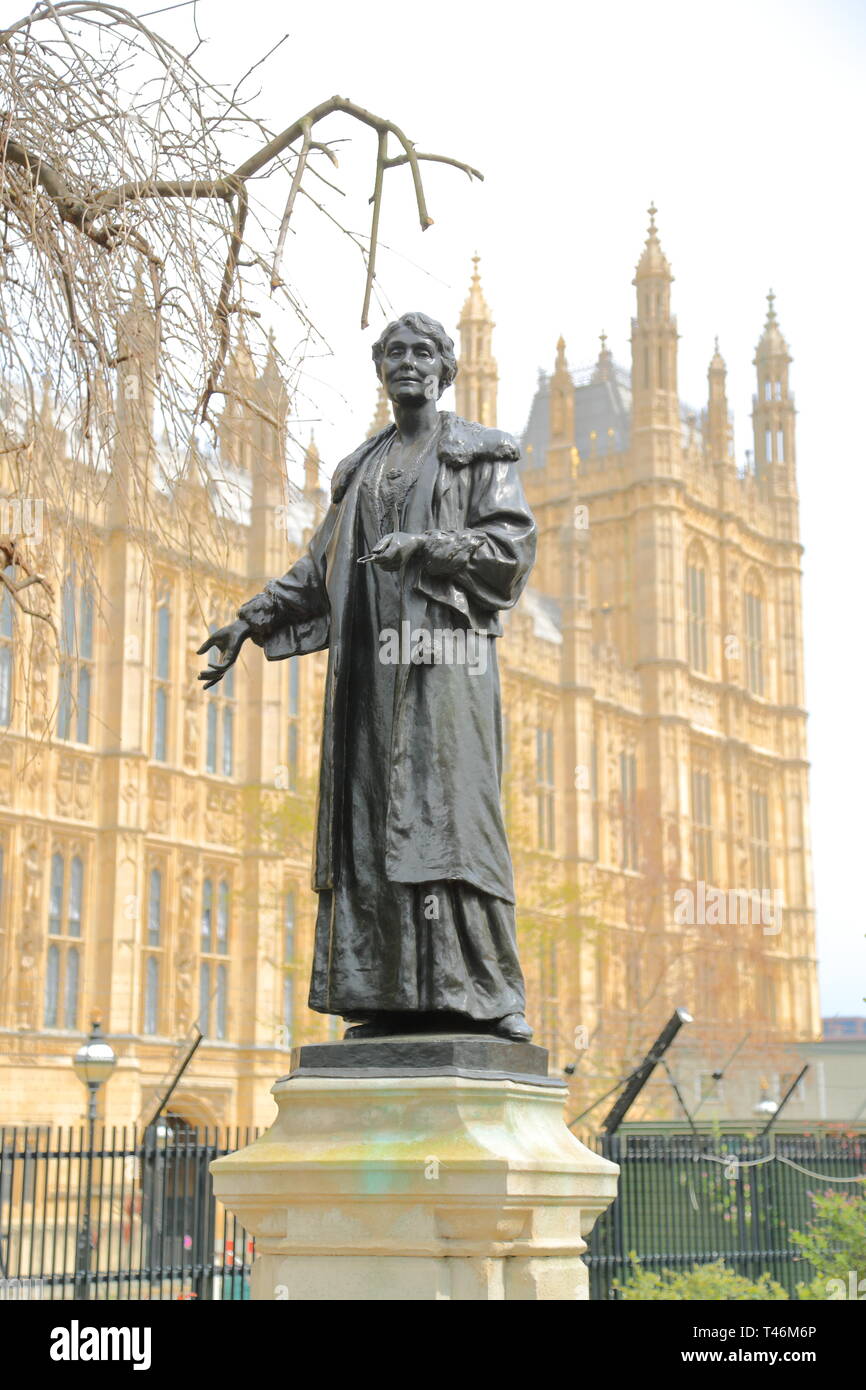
(485, 567)
(291, 615)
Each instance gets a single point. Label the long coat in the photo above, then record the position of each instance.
(444, 817)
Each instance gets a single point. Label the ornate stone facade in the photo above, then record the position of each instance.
(156, 857)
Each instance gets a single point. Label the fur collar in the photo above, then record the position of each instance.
(461, 442)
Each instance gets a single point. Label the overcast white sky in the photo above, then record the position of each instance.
(745, 124)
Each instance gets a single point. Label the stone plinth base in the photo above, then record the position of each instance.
(396, 1186)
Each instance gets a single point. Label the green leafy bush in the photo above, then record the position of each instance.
(835, 1243)
(707, 1283)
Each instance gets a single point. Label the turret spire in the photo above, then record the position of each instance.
(653, 262)
(477, 377)
(773, 413)
(718, 436)
(561, 399)
(772, 343)
(604, 366)
(654, 339)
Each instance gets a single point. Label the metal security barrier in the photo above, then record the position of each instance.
(152, 1228)
(686, 1199)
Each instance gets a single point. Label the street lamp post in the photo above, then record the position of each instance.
(93, 1064)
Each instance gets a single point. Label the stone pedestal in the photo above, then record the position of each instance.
(417, 1168)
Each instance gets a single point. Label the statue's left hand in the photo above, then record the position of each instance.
(393, 550)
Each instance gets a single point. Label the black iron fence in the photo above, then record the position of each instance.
(687, 1199)
(152, 1228)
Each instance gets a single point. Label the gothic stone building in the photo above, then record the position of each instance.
(156, 841)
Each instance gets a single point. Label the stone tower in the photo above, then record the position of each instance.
(668, 594)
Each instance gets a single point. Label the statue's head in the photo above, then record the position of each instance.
(427, 338)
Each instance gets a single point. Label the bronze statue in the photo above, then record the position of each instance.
(428, 535)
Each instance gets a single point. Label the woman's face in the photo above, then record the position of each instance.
(411, 367)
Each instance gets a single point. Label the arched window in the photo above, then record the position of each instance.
(162, 675)
(207, 915)
(52, 986)
(767, 998)
(222, 1001)
(154, 909)
(222, 935)
(7, 619)
(70, 990)
(292, 763)
(780, 446)
(65, 925)
(5, 683)
(696, 606)
(294, 685)
(211, 745)
(545, 789)
(204, 992)
(754, 624)
(151, 996)
(163, 639)
(628, 800)
(55, 898)
(228, 740)
(759, 840)
(76, 892)
(160, 724)
(702, 825)
(213, 976)
(6, 605)
(75, 678)
(82, 713)
(153, 951)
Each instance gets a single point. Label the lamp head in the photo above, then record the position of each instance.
(95, 1061)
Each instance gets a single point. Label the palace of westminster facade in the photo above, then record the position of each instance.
(156, 841)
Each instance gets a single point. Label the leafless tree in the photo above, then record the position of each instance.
(125, 172)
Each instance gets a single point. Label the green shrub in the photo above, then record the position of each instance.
(835, 1243)
(707, 1283)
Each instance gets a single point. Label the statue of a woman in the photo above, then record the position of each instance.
(427, 537)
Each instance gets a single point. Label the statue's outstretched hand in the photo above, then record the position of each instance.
(229, 641)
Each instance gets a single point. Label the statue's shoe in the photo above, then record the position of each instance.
(515, 1027)
(372, 1029)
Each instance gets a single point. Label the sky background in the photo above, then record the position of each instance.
(744, 124)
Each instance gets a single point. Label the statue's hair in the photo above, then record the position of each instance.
(432, 329)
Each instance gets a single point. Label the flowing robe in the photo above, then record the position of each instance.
(411, 857)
